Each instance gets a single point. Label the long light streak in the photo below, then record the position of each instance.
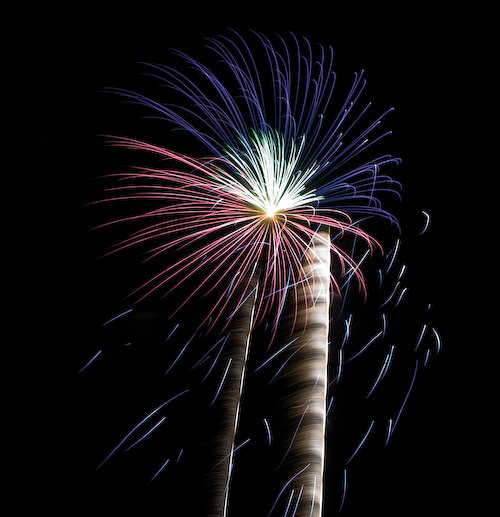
(383, 370)
(147, 433)
(159, 470)
(268, 431)
(378, 335)
(392, 255)
(180, 353)
(275, 354)
(298, 501)
(233, 451)
(287, 360)
(289, 503)
(400, 297)
(295, 435)
(363, 440)
(221, 384)
(172, 332)
(217, 356)
(421, 335)
(90, 361)
(427, 222)
(344, 489)
(206, 355)
(438, 339)
(114, 318)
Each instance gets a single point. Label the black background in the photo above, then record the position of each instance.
(417, 58)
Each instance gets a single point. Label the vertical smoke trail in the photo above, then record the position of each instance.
(305, 380)
(228, 404)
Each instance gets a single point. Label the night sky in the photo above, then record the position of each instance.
(414, 58)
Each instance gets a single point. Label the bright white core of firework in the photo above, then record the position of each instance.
(270, 179)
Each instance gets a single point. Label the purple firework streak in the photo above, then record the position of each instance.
(271, 223)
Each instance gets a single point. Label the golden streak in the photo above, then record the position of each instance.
(228, 405)
(306, 380)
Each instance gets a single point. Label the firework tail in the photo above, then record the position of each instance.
(228, 404)
(305, 379)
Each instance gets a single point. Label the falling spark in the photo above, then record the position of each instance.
(438, 339)
(268, 431)
(290, 357)
(420, 337)
(289, 503)
(403, 292)
(180, 354)
(214, 362)
(427, 222)
(341, 363)
(389, 431)
(383, 370)
(298, 501)
(232, 452)
(427, 355)
(370, 342)
(314, 498)
(222, 380)
(159, 470)
(146, 434)
(295, 435)
(206, 355)
(329, 405)
(275, 355)
(355, 268)
(172, 332)
(363, 440)
(392, 255)
(232, 283)
(384, 324)
(380, 278)
(390, 297)
(344, 489)
(117, 317)
(90, 361)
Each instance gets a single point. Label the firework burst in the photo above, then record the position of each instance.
(278, 172)
(283, 191)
